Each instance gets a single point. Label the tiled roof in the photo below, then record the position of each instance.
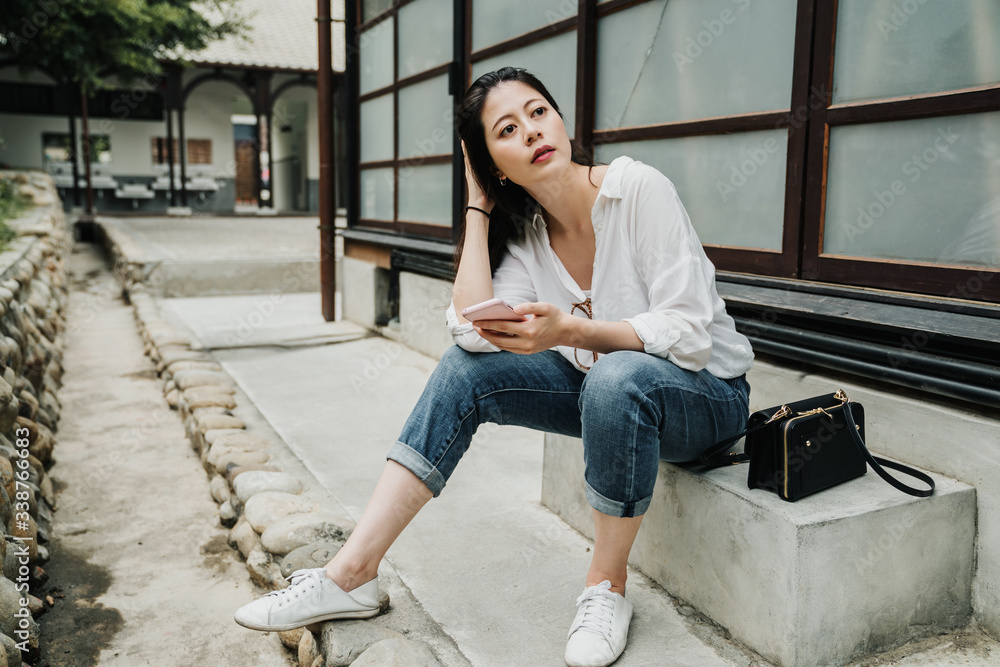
(282, 35)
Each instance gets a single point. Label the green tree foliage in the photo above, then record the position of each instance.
(83, 41)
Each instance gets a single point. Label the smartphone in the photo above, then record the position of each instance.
(494, 309)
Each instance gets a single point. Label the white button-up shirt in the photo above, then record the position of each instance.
(650, 270)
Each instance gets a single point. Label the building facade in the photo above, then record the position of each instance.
(239, 127)
(840, 162)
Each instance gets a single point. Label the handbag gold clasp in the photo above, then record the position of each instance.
(841, 396)
(816, 411)
(785, 411)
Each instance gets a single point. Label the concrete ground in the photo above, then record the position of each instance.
(496, 570)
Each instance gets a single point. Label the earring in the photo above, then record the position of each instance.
(503, 180)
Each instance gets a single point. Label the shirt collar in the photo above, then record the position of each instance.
(611, 187)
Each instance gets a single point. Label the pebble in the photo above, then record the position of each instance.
(35, 606)
(11, 653)
(214, 434)
(296, 530)
(243, 537)
(258, 564)
(238, 438)
(264, 508)
(316, 554)
(187, 379)
(233, 470)
(10, 602)
(209, 422)
(194, 365)
(195, 398)
(223, 448)
(169, 356)
(7, 477)
(343, 641)
(220, 489)
(241, 459)
(257, 481)
(397, 652)
(308, 649)
(173, 399)
(227, 515)
(291, 638)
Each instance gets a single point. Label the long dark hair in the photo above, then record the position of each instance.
(513, 207)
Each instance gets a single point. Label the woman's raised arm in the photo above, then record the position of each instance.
(473, 279)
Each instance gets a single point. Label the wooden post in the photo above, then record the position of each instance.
(327, 176)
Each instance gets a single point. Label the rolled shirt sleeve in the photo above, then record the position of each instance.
(512, 283)
(678, 276)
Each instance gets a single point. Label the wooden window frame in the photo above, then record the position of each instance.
(970, 283)
(807, 119)
(401, 226)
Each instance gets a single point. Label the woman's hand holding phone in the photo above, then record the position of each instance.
(543, 327)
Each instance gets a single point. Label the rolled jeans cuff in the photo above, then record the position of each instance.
(409, 458)
(615, 508)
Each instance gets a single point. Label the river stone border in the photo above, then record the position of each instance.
(34, 294)
(243, 473)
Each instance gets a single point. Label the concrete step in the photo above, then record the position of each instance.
(828, 579)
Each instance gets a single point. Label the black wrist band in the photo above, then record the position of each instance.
(476, 208)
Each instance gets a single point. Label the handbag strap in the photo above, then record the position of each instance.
(716, 456)
(877, 463)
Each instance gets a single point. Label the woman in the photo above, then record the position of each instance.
(628, 346)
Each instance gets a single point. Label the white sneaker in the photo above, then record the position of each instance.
(309, 598)
(600, 629)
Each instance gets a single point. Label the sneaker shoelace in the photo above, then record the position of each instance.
(596, 610)
(300, 580)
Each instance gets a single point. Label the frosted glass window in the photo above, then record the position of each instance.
(376, 129)
(494, 22)
(553, 61)
(660, 62)
(426, 125)
(918, 190)
(376, 194)
(889, 48)
(372, 8)
(732, 185)
(375, 45)
(425, 194)
(425, 36)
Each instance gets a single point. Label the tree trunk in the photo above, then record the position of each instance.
(86, 152)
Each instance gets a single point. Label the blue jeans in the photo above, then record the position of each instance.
(631, 409)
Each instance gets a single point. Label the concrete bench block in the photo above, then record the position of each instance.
(854, 570)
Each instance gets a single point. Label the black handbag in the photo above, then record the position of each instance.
(801, 448)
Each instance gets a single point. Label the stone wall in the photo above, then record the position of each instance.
(33, 299)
